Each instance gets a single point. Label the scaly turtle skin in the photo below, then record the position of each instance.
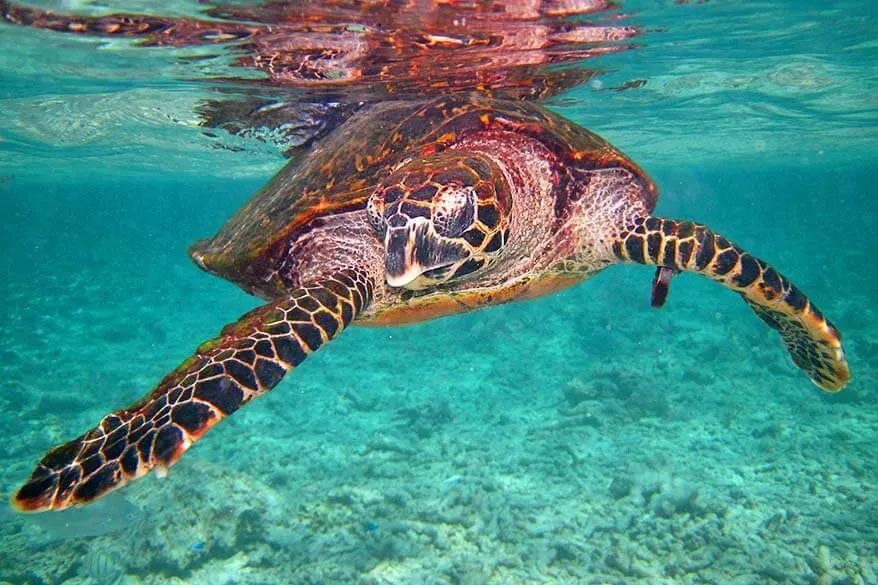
(407, 212)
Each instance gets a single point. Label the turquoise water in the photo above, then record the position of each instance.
(581, 438)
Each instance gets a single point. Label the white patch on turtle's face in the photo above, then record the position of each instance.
(415, 256)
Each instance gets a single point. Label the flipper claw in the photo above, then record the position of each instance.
(674, 246)
(661, 286)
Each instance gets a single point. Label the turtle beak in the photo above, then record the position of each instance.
(413, 249)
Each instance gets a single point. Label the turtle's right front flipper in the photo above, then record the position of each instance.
(812, 341)
(245, 361)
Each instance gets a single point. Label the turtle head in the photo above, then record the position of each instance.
(442, 218)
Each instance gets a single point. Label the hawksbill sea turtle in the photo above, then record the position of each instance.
(409, 211)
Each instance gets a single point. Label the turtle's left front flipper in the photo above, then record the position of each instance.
(245, 361)
(813, 342)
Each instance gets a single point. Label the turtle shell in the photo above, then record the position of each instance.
(340, 172)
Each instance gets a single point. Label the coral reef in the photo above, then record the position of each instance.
(581, 439)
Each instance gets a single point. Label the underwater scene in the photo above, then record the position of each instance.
(621, 422)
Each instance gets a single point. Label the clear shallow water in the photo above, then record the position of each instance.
(582, 438)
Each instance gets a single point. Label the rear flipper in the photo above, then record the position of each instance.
(247, 360)
(813, 342)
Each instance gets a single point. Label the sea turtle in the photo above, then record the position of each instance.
(410, 211)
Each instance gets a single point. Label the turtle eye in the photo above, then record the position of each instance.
(375, 213)
(454, 210)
